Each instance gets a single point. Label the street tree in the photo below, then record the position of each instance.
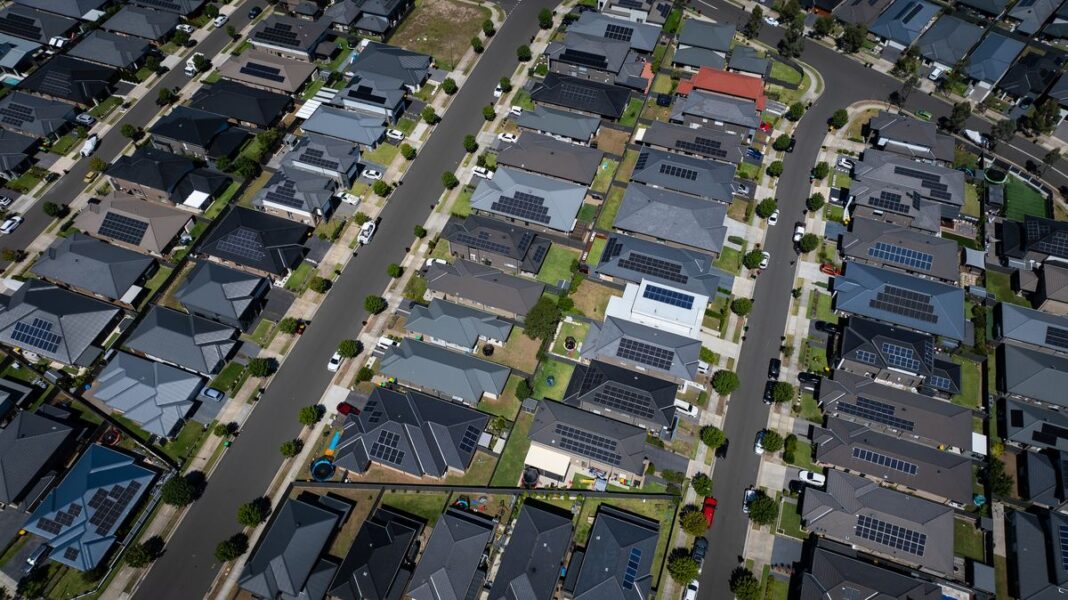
(763, 510)
(394, 270)
(744, 585)
(821, 170)
(545, 18)
(693, 522)
(839, 118)
(766, 207)
(291, 448)
(775, 168)
(470, 143)
(823, 27)
(795, 112)
(809, 242)
(233, 546)
(489, 113)
(1002, 131)
(309, 415)
(815, 202)
(251, 514)
(449, 180)
(792, 43)
(702, 484)
(682, 566)
(449, 86)
(350, 348)
(407, 151)
(853, 38)
(725, 382)
(782, 142)
(178, 491)
(712, 436)
(506, 85)
(752, 27)
(752, 259)
(375, 304)
(381, 188)
(958, 116)
(261, 367)
(772, 441)
(488, 29)
(523, 53)
(319, 285)
(782, 392)
(476, 45)
(429, 115)
(741, 306)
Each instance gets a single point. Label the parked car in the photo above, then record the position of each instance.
(807, 378)
(219, 21)
(334, 363)
(89, 146)
(691, 591)
(214, 394)
(516, 110)
(700, 550)
(498, 91)
(510, 138)
(826, 327)
(791, 145)
(372, 174)
(758, 443)
(721, 452)
(771, 21)
(5, 201)
(352, 199)
(773, 218)
(85, 119)
(367, 231)
(35, 558)
(799, 232)
(764, 262)
(663, 100)
(90, 176)
(829, 269)
(741, 188)
(482, 172)
(925, 115)
(395, 134)
(845, 163)
(812, 478)
(769, 392)
(344, 408)
(254, 12)
(708, 509)
(11, 224)
(774, 366)
(686, 408)
(765, 126)
(186, 28)
(754, 153)
(936, 74)
(747, 498)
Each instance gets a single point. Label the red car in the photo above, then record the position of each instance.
(829, 269)
(765, 126)
(709, 509)
(345, 408)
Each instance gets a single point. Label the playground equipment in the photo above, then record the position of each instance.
(323, 468)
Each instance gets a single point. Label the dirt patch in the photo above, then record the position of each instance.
(442, 29)
(612, 141)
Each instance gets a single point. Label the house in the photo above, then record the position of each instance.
(1051, 294)
(29, 446)
(353, 127)
(1041, 477)
(948, 41)
(257, 242)
(155, 396)
(895, 411)
(66, 78)
(34, 116)
(1030, 15)
(699, 109)
(1033, 329)
(298, 195)
(191, 132)
(637, 11)
(703, 44)
(679, 220)
(222, 294)
(111, 50)
(382, 63)
(45, 28)
(1030, 374)
(661, 307)
(453, 375)
(1037, 556)
(932, 182)
(456, 326)
(725, 144)
(861, 513)
(271, 72)
(325, 156)
(903, 22)
(896, 356)
(916, 139)
(86, 10)
(543, 203)
(55, 323)
(15, 152)
(17, 55)
(411, 432)
(860, 12)
(561, 124)
(505, 246)
(96, 268)
(581, 95)
(368, 17)
(242, 104)
(450, 564)
(483, 287)
(749, 61)
(189, 341)
(725, 83)
(622, 394)
(605, 60)
(986, 8)
(990, 60)
(641, 36)
(643, 348)
(290, 36)
(544, 155)
(686, 174)
(634, 260)
(892, 204)
(133, 223)
(376, 566)
(149, 173)
(618, 559)
(12, 395)
(1031, 74)
(899, 248)
(565, 440)
(1035, 240)
(382, 97)
(180, 7)
(534, 554)
(143, 22)
(831, 574)
(79, 519)
(1032, 426)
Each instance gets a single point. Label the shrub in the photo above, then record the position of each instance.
(782, 142)
(797, 110)
(741, 306)
(809, 242)
(821, 170)
(752, 259)
(702, 484)
(470, 143)
(429, 116)
(319, 285)
(782, 392)
(815, 202)
(288, 325)
(488, 29)
(178, 491)
(488, 113)
(141, 555)
(233, 546)
(407, 151)
(772, 441)
(449, 86)
(381, 188)
(523, 53)
(350, 348)
(476, 44)
(54, 210)
(693, 522)
(545, 18)
(766, 207)
(166, 96)
(839, 118)
(449, 180)
(246, 167)
(310, 415)
(682, 567)
(251, 514)
(506, 85)
(775, 168)
(712, 436)
(523, 390)
(261, 367)
(129, 131)
(394, 270)
(420, 231)
(374, 304)
(291, 448)
(364, 374)
(744, 585)
(725, 382)
(763, 510)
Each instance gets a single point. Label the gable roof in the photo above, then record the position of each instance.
(289, 34)
(748, 60)
(1032, 14)
(523, 245)
(374, 567)
(90, 264)
(386, 93)
(325, 155)
(901, 248)
(80, 516)
(910, 137)
(217, 289)
(154, 395)
(1035, 234)
(1038, 557)
(617, 541)
(27, 445)
(358, 128)
(649, 399)
(1033, 374)
(152, 226)
(612, 56)
(34, 114)
(34, 25)
(260, 68)
(111, 49)
(718, 108)
(634, 259)
(456, 323)
(289, 550)
(992, 57)
(1031, 327)
(831, 575)
(241, 102)
(189, 341)
(1032, 425)
(903, 21)
(257, 240)
(549, 156)
(76, 9)
(1031, 74)
(447, 568)
(581, 94)
(932, 182)
(667, 215)
(860, 12)
(718, 143)
(142, 22)
(558, 122)
(484, 285)
(530, 197)
(181, 7)
(640, 36)
(643, 347)
(530, 566)
(706, 34)
(190, 125)
(687, 174)
(692, 56)
(453, 374)
(377, 61)
(567, 429)
(725, 83)
(68, 78)
(949, 40)
(153, 168)
(297, 191)
(16, 51)
(54, 322)
(15, 149)
(880, 346)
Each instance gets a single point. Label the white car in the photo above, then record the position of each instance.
(845, 163)
(186, 28)
(686, 408)
(85, 119)
(773, 218)
(352, 199)
(691, 591)
(89, 146)
(516, 110)
(498, 91)
(764, 262)
(511, 138)
(219, 21)
(335, 363)
(11, 224)
(395, 134)
(771, 21)
(811, 478)
(799, 232)
(367, 231)
(483, 172)
(372, 174)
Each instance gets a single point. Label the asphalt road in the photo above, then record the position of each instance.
(187, 568)
(67, 188)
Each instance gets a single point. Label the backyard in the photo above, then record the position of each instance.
(592, 298)
(1021, 200)
(519, 352)
(610, 208)
(968, 540)
(1000, 284)
(428, 505)
(593, 257)
(507, 404)
(630, 115)
(573, 329)
(969, 383)
(510, 466)
(603, 178)
(442, 28)
(556, 269)
(662, 511)
(551, 379)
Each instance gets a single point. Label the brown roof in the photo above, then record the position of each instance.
(163, 222)
(263, 67)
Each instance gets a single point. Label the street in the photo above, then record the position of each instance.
(187, 568)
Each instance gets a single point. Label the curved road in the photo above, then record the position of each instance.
(187, 568)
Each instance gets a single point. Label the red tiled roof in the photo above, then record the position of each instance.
(723, 82)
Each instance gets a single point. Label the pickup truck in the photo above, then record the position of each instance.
(191, 64)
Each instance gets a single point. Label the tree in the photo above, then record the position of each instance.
(449, 180)
(702, 484)
(291, 448)
(682, 566)
(211, 11)
(744, 585)
(233, 546)
(1002, 131)
(129, 131)
(225, 429)
(763, 510)
(429, 116)
(97, 164)
(792, 43)
(957, 117)
(54, 210)
(419, 231)
(994, 475)
(1049, 159)
(725, 382)
(231, 32)
(364, 374)
(766, 207)
(180, 38)
(407, 151)
(167, 95)
(795, 112)
(809, 242)
(488, 29)
(815, 202)
(375, 304)
(839, 118)
(852, 38)
(693, 522)
(821, 170)
(350, 348)
(752, 259)
(449, 86)
(752, 27)
(394, 270)
(741, 306)
(713, 437)
(288, 325)
(542, 319)
(381, 188)
(470, 143)
(201, 63)
(523, 53)
(782, 142)
(545, 18)
(907, 63)
(775, 168)
(178, 491)
(319, 285)
(1044, 118)
(523, 390)
(476, 44)
(823, 27)
(489, 113)
(246, 167)
(790, 11)
(772, 441)
(251, 514)
(782, 392)
(261, 367)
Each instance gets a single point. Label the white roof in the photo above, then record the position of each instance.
(548, 460)
(660, 306)
(196, 200)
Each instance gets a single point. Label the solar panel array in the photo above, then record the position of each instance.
(677, 171)
(1055, 336)
(891, 535)
(21, 26)
(630, 575)
(646, 354)
(578, 95)
(901, 357)
(1043, 238)
(1062, 542)
(482, 241)
(618, 32)
(906, 303)
(916, 8)
(63, 518)
(930, 181)
(866, 356)
(643, 159)
(885, 461)
(123, 228)
(314, 157)
(111, 505)
(374, 415)
(278, 33)
(470, 439)
(659, 294)
(285, 194)
(588, 444)
(16, 114)
(164, 5)
(588, 59)
(366, 93)
(263, 72)
(1049, 434)
(243, 242)
(901, 255)
(656, 267)
(876, 412)
(37, 334)
(940, 383)
(385, 449)
(613, 395)
(889, 201)
(703, 146)
(525, 206)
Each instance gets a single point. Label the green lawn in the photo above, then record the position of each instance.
(406, 125)
(311, 89)
(522, 98)
(264, 332)
(969, 383)
(229, 378)
(461, 207)
(1022, 200)
(510, 466)
(968, 541)
(776, 589)
(626, 168)
(782, 72)
(154, 283)
(593, 257)
(428, 505)
(730, 260)
(222, 201)
(507, 404)
(415, 289)
(557, 265)
(610, 208)
(630, 115)
(560, 372)
(104, 109)
(803, 454)
(790, 520)
(27, 181)
(588, 212)
(1000, 285)
(971, 201)
(603, 179)
(382, 155)
(575, 329)
(186, 442)
(810, 410)
(840, 179)
(819, 307)
(299, 278)
(65, 144)
(813, 358)
(663, 84)
(833, 212)
(748, 171)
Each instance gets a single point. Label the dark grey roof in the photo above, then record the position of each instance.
(524, 246)
(628, 258)
(582, 95)
(366, 89)
(674, 217)
(447, 570)
(343, 12)
(153, 168)
(1031, 425)
(257, 240)
(215, 289)
(595, 52)
(1033, 374)
(530, 198)
(358, 128)
(76, 9)
(27, 445)
(706, 34)
(563, 123)
(298, 191)
(68, 78)
(241, 102)
(949, 40)
(716, 108)
(54, 322)
(900, 299)
(1038, 558)
(555, 426)
(289, 34)
(748, 60)
(1034, 235)
(641, 36)
(877, 200)
(15, 150)
(687, 174)
(848, 500)
(901, 248)
(692, 56)
(143, 22)
(456, 324)
(860, 12)
(1037, 475)
(1031, 74)
(111, 49)
(35, 115)
(316, 153)
(549, 156)
(154, 395)
(991, 7)
(1059, 91)
(859, 449)
(992, 57)
(873, 347)
(618, 539)
(621, 341)
(484, 285)
(377, 61)
(910, 137)
(16, 53)
(1032, 14)
(834, 576)
(1031, 327)
(530, 567)
(90, 264)
(452, 374)
(181, 7)
(933, 182)
(904, 21)
(190, 125)
(34, 25)
(719, 143)
(600, 386)
(189, 341)
(374, 567)
(162, 223)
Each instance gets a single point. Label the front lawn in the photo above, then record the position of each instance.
(65, 144)
(522, 98)
(810, 409)
(813, 358)
(229, 378)
(299, 278)
(630, 115)
(461, 207)
(382, 155)
(186, 442)
(603, 179)
(104, 109)
(730, 260)
(27, 181)
(557, 266)
(790, 520)
(784, 73)
(803, 454)
(559, 372)
(510, 466)
(819, 307)
(405, 125)
(415, 289)
(748, 171)
(264, 333)
(1021, 200)
(442, 29)
(610, 208)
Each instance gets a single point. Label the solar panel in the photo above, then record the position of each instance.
(889, 201)
(525, 206)
(164, 5)
(539, 254)
(703, 146)
(941, 383)
(587, 59)
(613, 395)
(243, 242)
(884, 461)
(906, 303)
(928, 181)
(866, 357)
(891, 535)
(1043, 238)
(110, 505)
(1055, 336)
(71, 553)
(618, 32)
(876, 412)
(656, 267)
(901, 357)
(1062, 540)
(578, 95)
(901, 255)
(21, 26)
(646, 354)
(263, 72)
(643, 159)
(588, 444)
(37, 334)
(677, 171)
(16, 114)
(470, 439)
(314, 157)
(123, 228)
(666, 296)
(285, 194)
(482, 242)
(631, 573)
(385, 449)
(278, 33)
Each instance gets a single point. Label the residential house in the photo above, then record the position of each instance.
(66, 78)
(191, 342)
(143, 22)
(703, 44)
(450, 566)
(456, 326)
(624, 395)
(155, 396)
(604, 60)
(15, 152)
(935, 183)
(1031, 374)
(637, 11)
(352, 127)
(505, 246)
(1030, 15)
(544, 155)
(483, 287)
(55, 323)
(542, 203)
(1042, 477)
(903, 22)
(290, 36)
(1032, 426)
(633, 260)
(916, 139)
(659, 306)
(985, 8)
(34, 116)
(897, 356)
(257, 242)
(989, 61)
(111, 50)
(30, 445)
(79, 519)
(222, 294)
(860, 12)
(1035, 240)
(265, 71)
(183, 8)
(725, 83)
(325, 156)
(368, 17)
(411, 432)
(641, 36)
(699, 109)
(560, 124)
(192, 132)
(1037, 558)
(95, 268)
(298, 195)
(725, 144)
(899, 248)
(534, 555)
(583, 96)
(749, 61)
(565, 440)
(1030, 76)
(12, 395)
(643, 348)
(1051, 294)
(831, 574)
(382, 63)
(1033, 329)
(889, 203)
(86, 10)
(382, 97)
(452, 375)
(150, 173)
(45, 28)
(17, 56)
(686, 174)
(377, 565)
(242, 104)
(679, 220)
(618, 559)
(133, 223)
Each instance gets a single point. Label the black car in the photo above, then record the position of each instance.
(793, 142)
(700, 549)
(721, 452)
(773, 368)
(254, 12)
(769, 392)
(663, 99)
(808, 378)
(826, 327)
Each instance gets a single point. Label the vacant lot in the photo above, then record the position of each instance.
(442, 29)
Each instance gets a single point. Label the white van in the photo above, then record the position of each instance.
(90, 145)
(191, 64)
(686, 408)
